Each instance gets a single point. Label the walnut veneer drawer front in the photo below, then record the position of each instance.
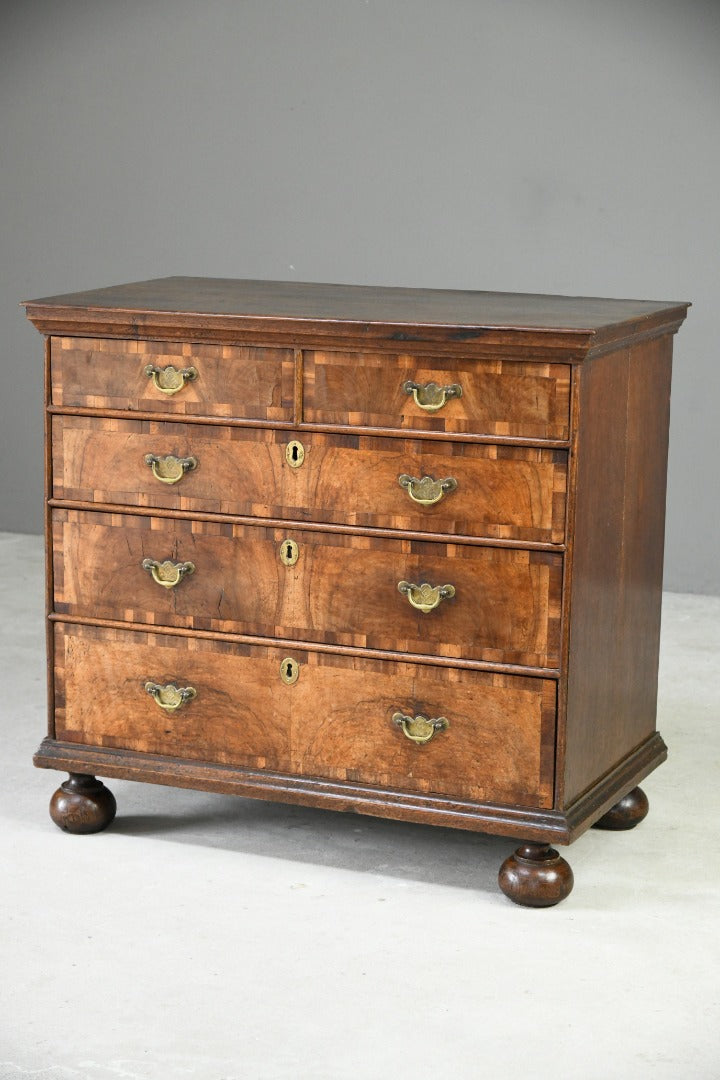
(515, 493)
(337, 589)
(335, 721)
(482, 397)
(231, 381)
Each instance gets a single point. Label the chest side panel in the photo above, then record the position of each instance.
(617, 556)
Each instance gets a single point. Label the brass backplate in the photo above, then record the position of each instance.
(289, 552)
(289, 670)
(295, 454)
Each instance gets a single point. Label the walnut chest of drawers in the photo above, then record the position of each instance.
(390, 551)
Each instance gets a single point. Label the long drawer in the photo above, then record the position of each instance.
(184, 379)
(339, 719)
(310, 585)
(521, 399)
(515, 493)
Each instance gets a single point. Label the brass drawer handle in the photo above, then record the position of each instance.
(430, 396)
(170, 697)
(169, 380)
(169, 469)
(420, 729)
(425, 597)
(168, 573)
(426, 491)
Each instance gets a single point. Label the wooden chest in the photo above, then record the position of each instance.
(390, 551)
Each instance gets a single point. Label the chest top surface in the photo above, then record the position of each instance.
(380, 313)
(314, 300)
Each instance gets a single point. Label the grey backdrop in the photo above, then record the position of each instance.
(568, 146)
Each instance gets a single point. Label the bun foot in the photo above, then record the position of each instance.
(627, 813)
(536, 876)
(82, 805)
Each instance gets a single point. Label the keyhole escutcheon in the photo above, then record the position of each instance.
(289, 671)
(295, 454)
(289, 552)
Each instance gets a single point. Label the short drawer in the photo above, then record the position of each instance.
(478, 490)
(338, 589)
(337, 720)
(174, 378)
(483, 397)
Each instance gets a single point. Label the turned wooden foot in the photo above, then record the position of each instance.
(82, 805)
(627, 813)
(536, 876)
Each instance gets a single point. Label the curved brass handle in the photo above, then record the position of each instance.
(170, 469)
(427, 491)
(430, 396)
(170, 697)
(168, 573)
(420, 729)
(169, 380)
(425, 597)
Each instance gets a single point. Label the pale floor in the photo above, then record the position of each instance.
(205, 937)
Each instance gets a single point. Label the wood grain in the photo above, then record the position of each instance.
(503, 492)
(342, 590)
(617, 560)
(334, 722)
(499, 397)
(232, 381)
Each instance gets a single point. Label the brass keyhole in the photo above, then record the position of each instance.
(289, 671)
(295, 454)
(289, 552)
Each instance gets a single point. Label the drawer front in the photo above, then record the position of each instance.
(221, 380)
(335, 721)
(499, 492)
(498, 397)
(341, 590)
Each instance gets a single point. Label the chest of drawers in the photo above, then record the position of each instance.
(396, 552)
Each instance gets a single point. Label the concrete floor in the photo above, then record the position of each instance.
(211, 938)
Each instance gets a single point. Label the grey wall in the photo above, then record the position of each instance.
(566, 146)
